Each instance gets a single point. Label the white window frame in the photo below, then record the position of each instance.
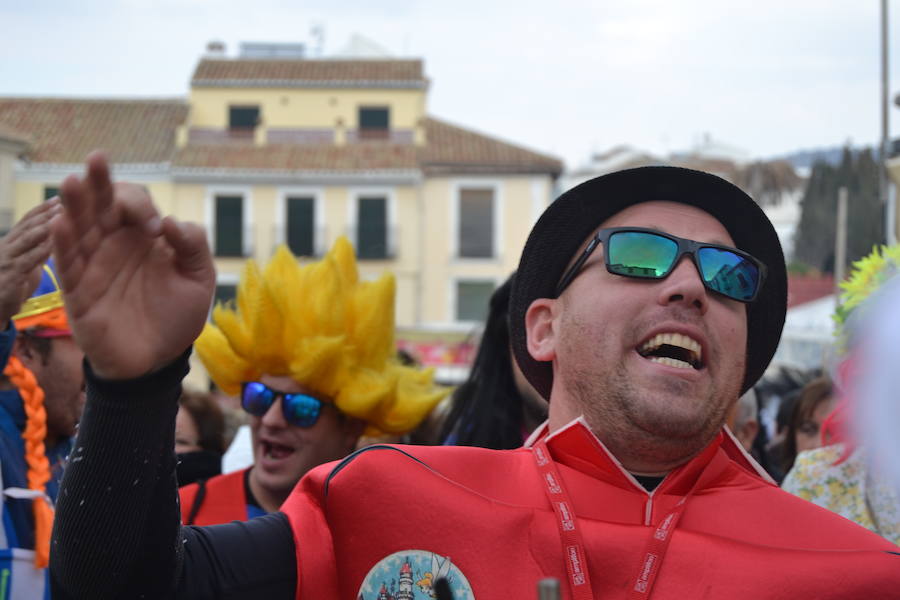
(318, 196)
(541, 197)
(453, 297)
(246, 193)
(456, 188)
(390, 195)
(224, 279)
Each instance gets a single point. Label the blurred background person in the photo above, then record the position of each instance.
(776, 395)
(841, 475)
(743, 420)
(41, 399)
(199, 437)
(310, 351)
(495, 407)
(813, 404)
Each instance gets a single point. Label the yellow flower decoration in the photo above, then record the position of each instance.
(327, 330)
(866, 276)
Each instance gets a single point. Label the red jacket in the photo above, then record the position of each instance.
(365, 528)
(223, 500)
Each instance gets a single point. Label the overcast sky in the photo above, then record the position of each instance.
(568, 77)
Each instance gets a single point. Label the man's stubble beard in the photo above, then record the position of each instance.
(629, 423)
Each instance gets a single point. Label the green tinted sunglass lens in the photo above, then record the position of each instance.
(728, 273)
(640, 254)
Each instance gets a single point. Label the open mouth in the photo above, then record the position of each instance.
(275, 451)
(673, 350)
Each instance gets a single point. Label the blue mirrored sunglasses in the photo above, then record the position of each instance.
(301, 410)
(650, 254)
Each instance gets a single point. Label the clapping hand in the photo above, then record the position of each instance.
(137, 287)
(23, 251)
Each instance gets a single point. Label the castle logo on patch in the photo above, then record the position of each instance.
(411, 575)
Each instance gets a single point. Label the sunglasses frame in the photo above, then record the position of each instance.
(685, 246)
(285, 400)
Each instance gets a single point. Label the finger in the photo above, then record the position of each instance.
(98, 180)
(38, 216)
(69, 262)
(27, 239)
(190, 245)
(77, 203)
(136, 208)
(35, 257)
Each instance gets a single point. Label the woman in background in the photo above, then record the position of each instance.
(495, 407)
(199, 437)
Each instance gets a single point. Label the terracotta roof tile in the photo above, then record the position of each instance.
(363, 73)
(66, 130)
(806, 288)
(352, 157)
(452, 149)
(9, 134)
(143, 131)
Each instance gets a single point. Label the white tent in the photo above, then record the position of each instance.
(808, 335)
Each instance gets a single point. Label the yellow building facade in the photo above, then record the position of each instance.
(295, 151)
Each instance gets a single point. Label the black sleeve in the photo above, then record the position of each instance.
(117, 531)
(250, 559)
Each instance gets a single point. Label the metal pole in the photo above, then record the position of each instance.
(840, 241)
(884, 196)
(548, 589)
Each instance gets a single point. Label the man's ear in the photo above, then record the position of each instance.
(539, 329)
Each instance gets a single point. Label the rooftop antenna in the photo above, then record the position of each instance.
(317, 33)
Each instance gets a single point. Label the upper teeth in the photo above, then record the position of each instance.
(673, 339)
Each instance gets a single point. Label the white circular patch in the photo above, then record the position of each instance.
(411, 575)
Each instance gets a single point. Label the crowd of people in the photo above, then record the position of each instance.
(616, 431)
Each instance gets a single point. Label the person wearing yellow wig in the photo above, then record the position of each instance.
(310, 351)
(41, 399)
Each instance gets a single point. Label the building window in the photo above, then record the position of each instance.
(242, 121)
(476, 223)
(374, 123)
(371, 227)
(50, 191)
(225, 292)
(301, 225)
(229, 229)
(472, 299)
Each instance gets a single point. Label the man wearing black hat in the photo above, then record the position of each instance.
(646, 302)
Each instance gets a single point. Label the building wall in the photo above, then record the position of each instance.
(305, 108)
(266, 227)
(8, 156)
(519, 201)
(29, 188)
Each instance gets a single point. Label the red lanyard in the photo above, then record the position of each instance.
(657, 546)
(570, 535)
(573, 545)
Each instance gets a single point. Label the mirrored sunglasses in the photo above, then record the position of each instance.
(650, 254)
(301, 410)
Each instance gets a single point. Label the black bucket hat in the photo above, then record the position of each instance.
(574, 216)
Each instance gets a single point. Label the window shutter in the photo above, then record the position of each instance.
(371, 228)
(472, 298)
(301, 226)
(476, 223)
(229, 226)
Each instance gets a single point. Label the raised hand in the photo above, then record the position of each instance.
(23, 251)
(137, 288)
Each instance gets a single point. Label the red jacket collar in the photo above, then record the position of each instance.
(576, 446)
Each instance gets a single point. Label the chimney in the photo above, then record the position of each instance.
(215, 49)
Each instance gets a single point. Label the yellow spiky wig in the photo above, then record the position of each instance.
(327, 330)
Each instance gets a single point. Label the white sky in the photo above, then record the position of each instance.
(567, 77)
